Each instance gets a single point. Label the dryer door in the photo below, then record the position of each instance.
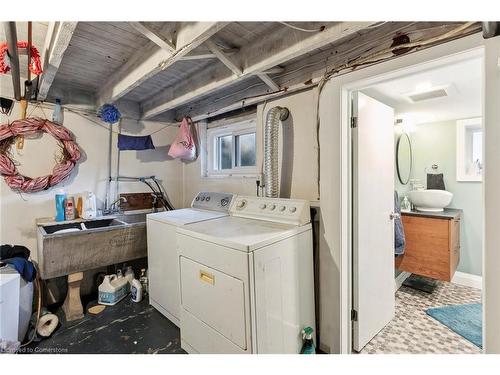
(215, 298)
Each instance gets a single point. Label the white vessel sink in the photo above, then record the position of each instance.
(430, 200)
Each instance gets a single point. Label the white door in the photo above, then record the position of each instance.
(373, 225)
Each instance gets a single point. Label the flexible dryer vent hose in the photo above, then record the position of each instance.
(271, 133)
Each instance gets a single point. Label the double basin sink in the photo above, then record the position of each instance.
(77, 246)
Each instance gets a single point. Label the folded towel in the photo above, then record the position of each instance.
(399, 233)
(128, 142)
(435, 181)
(25, 268)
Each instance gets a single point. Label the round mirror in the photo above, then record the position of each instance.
(404, 158)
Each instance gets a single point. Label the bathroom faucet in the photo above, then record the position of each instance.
(416, 185)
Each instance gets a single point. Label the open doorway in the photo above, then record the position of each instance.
(417, 209)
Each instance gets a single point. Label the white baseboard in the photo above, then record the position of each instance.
(468, 279)
(400, 279)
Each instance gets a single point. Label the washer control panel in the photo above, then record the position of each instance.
(213, 201)
(280, 210)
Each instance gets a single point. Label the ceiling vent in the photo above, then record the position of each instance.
(420, 96)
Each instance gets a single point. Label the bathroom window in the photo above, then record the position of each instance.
(470, 149)
(231, 149)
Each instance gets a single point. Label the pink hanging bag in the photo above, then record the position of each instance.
(184, 145)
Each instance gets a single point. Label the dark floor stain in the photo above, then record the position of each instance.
(125, 328)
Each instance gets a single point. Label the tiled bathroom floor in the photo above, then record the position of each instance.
(412, 331)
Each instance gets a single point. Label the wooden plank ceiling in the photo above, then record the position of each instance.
(166, 70)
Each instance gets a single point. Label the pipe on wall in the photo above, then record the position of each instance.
(491, 29)
(11, 38)
(271, 133)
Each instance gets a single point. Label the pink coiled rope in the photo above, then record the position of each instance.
(29, 126)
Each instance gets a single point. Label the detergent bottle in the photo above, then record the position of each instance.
(60, 198)
(58, 114)
(112, 290)
(136, 290)
(307, 341)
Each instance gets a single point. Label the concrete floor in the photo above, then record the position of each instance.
(126, 328)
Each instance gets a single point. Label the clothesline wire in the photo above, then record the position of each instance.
(89, 116)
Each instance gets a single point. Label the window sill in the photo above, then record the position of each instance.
(232, 176)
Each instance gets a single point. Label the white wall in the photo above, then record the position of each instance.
(491, 264)
(19, 211)
(302, 166)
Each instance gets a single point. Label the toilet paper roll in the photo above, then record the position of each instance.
(47, 324)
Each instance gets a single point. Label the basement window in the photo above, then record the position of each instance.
(231, 149)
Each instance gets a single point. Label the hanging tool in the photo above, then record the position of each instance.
(24, 101)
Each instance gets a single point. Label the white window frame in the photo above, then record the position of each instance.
(463, 126)
(234, 129)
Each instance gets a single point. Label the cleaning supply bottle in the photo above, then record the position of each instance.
(307, 341)
(58, 114)
(122, 280)
(112, 290)
(79, 206)
(136, 290)
(144, 280)
(60, 198)
(69, 208)
(405, 205)
(129, 274)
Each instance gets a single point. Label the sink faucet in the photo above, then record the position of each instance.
(111, 208)
(154, 202)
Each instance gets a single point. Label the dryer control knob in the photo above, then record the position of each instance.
(241, 204)
(293, 209)
(272, 206)
(263, 206)
(282, 208)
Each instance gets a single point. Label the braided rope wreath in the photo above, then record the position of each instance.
(70, 154)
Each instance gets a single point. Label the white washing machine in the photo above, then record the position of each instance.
(163, 262)
(247, 281)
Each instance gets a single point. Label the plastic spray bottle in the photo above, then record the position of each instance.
(307, 341)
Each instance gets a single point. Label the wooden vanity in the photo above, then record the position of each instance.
(432, 244)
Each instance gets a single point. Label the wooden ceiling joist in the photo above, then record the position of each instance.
(217, 51)
(150, 60)
(54, 53)
(268, 81)
(255, 58)
(153, 36)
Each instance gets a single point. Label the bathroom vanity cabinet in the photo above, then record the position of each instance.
(432, 244)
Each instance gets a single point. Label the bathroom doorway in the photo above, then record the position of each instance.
(438, 107)
(436, 219)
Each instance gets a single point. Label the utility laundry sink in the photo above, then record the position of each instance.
(430, 200)
(83, 225)
(81, 245)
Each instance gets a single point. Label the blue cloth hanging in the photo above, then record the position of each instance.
(129, 142)
(25, 268)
